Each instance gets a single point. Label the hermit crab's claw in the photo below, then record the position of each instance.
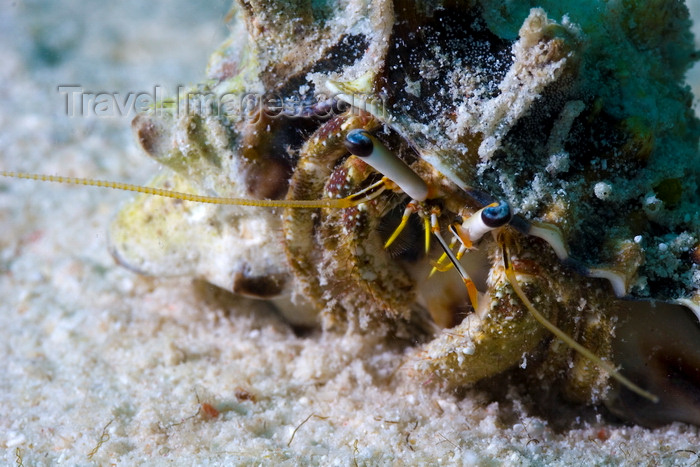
(658, 345)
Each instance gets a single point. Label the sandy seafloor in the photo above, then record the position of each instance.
(101, 366)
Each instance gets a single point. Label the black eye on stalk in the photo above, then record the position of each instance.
(496, 216)
(359, 143)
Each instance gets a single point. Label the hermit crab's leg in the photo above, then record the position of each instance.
(318, 157)
(336, 255)
(471, 288)
(463, 248)
(439, 264)
(510, 275)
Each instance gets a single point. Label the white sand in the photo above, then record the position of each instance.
(90, 351)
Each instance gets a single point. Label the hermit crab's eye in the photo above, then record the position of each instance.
(496, 215)
(359, 143)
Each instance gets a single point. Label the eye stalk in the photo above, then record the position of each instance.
(485, 220)
(362, 144)
(496, 215)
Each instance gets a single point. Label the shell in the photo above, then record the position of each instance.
(582, 123)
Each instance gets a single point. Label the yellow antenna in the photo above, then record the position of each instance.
(350, 201)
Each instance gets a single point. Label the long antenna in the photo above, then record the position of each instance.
(276, 203)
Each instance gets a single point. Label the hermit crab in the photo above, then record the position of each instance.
(507, 189)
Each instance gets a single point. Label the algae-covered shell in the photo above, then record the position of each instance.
(575, 116)
(532, 123)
